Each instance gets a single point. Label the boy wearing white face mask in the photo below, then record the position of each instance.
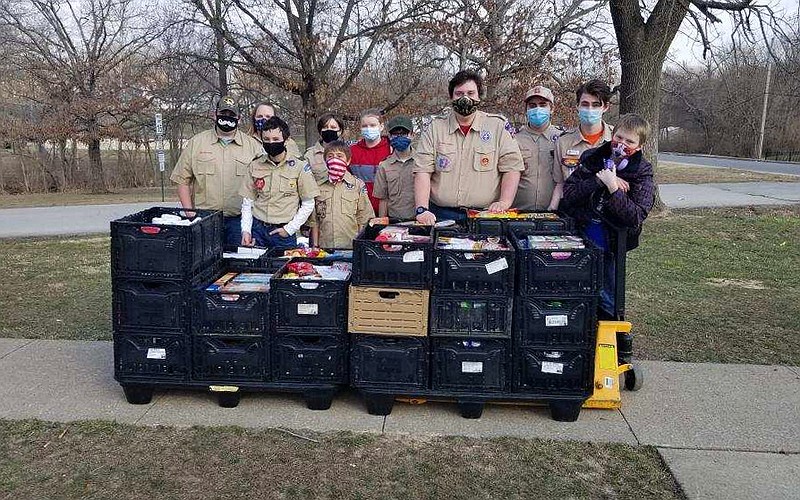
(370, 151)
(542, 181)
(593, 100)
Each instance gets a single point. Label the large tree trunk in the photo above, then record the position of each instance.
(219, 47)
(643, 47)
(310, 107)
(97, 182)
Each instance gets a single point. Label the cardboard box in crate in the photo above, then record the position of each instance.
(388, 311)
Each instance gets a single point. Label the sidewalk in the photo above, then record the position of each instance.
(86, 219)
(726, 431)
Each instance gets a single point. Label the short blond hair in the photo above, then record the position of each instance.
(376, 112)
(635, 124)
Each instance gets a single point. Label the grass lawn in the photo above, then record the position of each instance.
(137, 195)
(676, 173)
(717, 285)
(108, 460)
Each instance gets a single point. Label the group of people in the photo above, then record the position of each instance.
(465, 158)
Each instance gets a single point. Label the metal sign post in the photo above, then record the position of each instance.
(162, 158)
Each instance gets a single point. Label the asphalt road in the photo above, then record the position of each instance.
(769, 167)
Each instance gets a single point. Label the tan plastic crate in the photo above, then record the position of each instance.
(388, 311)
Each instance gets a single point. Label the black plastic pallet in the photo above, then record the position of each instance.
(470, 405)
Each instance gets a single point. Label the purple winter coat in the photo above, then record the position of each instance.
(585, 197)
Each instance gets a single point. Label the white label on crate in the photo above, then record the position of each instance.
(414, 256)
(308, 309)
(608, 382)
(497, 266)
(471, 367)
(156, 353)
(550, 367)
(556, 320)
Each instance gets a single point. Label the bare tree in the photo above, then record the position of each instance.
(76, 55)
(314, 49)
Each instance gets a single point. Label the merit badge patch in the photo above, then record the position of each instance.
(259, 184)
(486, 136)
(484, 161)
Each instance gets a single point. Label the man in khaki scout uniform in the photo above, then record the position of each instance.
(542, 182)
(466, 158)
(343, 206)
(211, 167)
(593, 99)
(394, 180)
(277, 193)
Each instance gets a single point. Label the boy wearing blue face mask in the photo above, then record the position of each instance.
(394, 180)
(370, 151)
(593, 99)
(542, 182)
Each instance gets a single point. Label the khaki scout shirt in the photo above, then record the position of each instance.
(394, 182)
(541, 174)
(315, 156)
(215, 170)
(466, 170)
(572, 144)
(340, 211)
(276, 189)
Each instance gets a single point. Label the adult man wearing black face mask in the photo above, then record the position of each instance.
(466, 158)
(211, 167)
(277, 193)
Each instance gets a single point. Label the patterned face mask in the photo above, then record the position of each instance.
(465, 106)
(336, 169)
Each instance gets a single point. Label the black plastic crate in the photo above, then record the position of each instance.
(545, 271)
(155, 251)
(307, 359)
(389, 362)
(552, 371)
(152, 304)
(151, 357)
(500, 226)
(471, 365)
(470, 315)
(229, 357)
(308, 306)
(230, 312)
(556, 321)
(488, 272)
(396, 264)
(263, 263)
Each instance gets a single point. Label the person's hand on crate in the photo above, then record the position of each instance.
(499, 206)
(247, 240)
(426, 218)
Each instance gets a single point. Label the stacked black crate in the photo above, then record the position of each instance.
(230, 333)
(471, 314)
(154, 267)
(309, 344)
(555, 318)
(388, 316)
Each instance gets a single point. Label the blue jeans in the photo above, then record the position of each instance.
(445, 213)
(598, 233)
(262, 238)
(232, 231)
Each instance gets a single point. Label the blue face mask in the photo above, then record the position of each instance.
(538, 116)
(590, 116)
(371, 134)
(400, 142)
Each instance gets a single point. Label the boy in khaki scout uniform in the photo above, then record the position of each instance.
(211, 167)
(278, 192)
(593, 99)
(466, 158)
(542, 182)
(342, 207)
(394, 180)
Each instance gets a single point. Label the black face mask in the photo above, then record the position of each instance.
(465, 106)
(274, 149)
(329, 135)
(227, 123)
